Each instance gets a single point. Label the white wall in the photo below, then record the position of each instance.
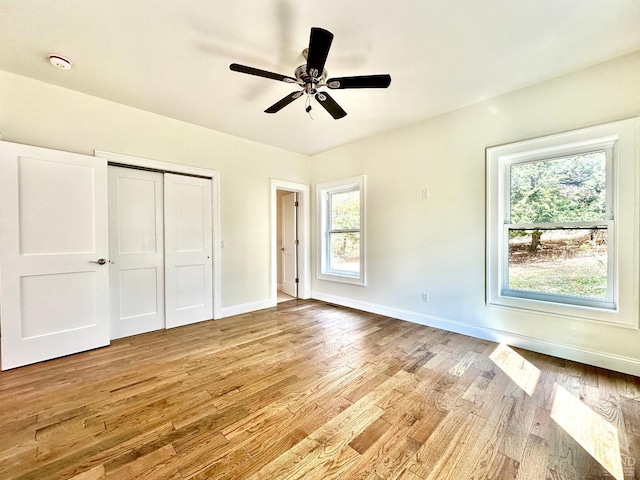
(413, 245)
(438, 245)
(44, 115)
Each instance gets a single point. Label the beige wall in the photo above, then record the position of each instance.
(44, 115)
(438, 245)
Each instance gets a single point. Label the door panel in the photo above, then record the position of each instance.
(139, 200)
(36, 290)
(46, 203)
(289, 248)
(188, 244)
(190, 284)
(189, 207)
(53, 229)
(139, 291)
(136, 249)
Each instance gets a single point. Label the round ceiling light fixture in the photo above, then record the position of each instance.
(60, 62)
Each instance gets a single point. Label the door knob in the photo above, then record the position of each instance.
(100, 261)
(282, 249)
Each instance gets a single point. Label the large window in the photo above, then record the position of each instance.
(561, 233)
(341, 214)
(558, 222)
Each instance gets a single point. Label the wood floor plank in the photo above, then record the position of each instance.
(307, 390)
(96, 473)
(537, 459)
(370, 435)
(484, 448)
(315, 453)
(155, 464)
(503, 468)
(518, 427)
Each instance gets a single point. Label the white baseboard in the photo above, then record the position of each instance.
(246, 308)
(589, 357)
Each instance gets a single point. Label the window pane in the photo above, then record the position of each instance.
(568, 189)
(345, 252)
(345, 210)
(563, 262)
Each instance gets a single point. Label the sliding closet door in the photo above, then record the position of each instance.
(188, 250)
(136, 251)
(53, 254)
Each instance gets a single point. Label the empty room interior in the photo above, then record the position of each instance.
(283, 240)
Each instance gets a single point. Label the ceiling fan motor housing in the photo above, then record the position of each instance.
(309, 81)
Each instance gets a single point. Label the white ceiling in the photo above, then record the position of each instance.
(172, 57)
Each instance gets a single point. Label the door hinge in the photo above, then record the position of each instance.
(297, 280)
(295, 204)
(297, 242)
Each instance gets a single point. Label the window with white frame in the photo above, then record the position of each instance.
(341, 218)
(561, 234)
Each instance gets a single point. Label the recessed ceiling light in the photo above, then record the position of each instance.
(60, 62)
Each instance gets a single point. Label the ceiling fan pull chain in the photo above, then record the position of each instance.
(307, 107)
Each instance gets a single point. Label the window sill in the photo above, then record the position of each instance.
(604, 316)
(338, 278)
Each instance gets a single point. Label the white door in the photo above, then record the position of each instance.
(53, 233)
(188, 250)
(136, 251)
(289, 247)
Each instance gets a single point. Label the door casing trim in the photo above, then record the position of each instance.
(304, 236)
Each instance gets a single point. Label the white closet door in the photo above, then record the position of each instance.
(289, 247)
(54, 277)
(188, 250)
(136, 250)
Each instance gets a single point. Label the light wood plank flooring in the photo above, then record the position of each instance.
(309, 390)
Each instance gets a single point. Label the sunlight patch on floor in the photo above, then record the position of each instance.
(597, 436)
(522, 372)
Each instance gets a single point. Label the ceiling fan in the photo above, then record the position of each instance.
(313, 76)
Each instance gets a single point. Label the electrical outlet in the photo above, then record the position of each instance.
(425, 297)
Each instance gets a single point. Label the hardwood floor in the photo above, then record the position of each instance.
(309, 390)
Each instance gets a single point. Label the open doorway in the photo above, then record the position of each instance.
(289, 241)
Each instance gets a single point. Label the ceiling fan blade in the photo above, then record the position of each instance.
(319, 45)
(261, 73)
(364, 81)
(280, 104)
(330, 105)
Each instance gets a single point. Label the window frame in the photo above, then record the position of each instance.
(619, 141)
(324, 195)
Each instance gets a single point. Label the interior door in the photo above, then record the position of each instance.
(136, 251)
(289, 246)
(54, 278)
(188, 250)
